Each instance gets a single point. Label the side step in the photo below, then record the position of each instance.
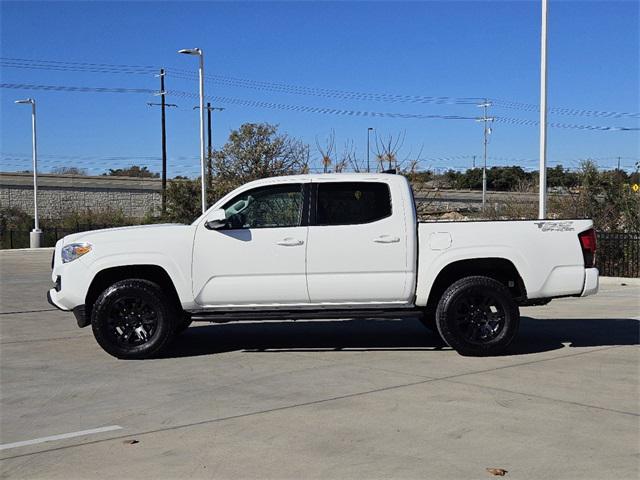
(257, 315)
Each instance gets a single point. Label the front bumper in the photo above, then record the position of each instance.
(79, 312)
(53, 300)
(591, 282)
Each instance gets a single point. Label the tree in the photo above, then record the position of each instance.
(132, 171)
(183, 200)
(387, 151)
(505, 178)
(252, 152)
(605, 197)
(558, 176)
(326, 152)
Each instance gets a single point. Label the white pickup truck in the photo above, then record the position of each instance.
(319, 246)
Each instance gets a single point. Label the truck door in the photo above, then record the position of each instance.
(357, 248)
(259, 257)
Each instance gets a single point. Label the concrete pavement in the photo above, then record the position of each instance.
(323, 399)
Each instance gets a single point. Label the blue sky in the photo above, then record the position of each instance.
(454, 49)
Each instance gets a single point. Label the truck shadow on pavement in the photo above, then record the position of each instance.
(535, 336)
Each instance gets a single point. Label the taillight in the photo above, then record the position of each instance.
(588, 244)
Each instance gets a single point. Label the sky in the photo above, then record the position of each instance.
(401, 53)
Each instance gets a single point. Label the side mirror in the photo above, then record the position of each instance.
(216, 219)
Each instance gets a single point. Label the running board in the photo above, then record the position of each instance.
(257, 315)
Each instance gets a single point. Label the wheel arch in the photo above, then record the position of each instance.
(108, 276)
(500, 269)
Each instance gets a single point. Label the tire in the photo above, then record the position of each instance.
(477, 316)
(133, 319)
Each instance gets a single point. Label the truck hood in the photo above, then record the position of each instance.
(125, 234)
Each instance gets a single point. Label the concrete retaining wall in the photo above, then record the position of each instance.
(61, 194)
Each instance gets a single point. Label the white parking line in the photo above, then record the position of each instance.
(62, 436)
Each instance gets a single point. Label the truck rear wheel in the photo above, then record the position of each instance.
(133, 319)
(477, 316)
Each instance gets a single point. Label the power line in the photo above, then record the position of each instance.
(526, 122)
(303, 108)
(300, 90)
(65, 88)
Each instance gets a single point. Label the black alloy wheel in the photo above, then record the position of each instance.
(477, 316)
(134, 319)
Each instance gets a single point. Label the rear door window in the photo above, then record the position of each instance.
(350, 203)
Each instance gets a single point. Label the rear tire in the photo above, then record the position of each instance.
(477, 316)
(133, 319)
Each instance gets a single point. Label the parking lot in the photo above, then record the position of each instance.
(321, 399)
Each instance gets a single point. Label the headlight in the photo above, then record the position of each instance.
(74, 250)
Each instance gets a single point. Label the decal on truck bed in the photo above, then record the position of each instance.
(555, 226)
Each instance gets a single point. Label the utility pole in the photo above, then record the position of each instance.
(162, 106)
(618, 163)
(209, 147)
(487, 132)
(474, 161)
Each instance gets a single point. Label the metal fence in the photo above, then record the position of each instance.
(20, 238)
(618, 254)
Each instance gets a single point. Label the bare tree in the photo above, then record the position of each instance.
(348, 158)
(387, 150)
(327, 150)
(410, 166)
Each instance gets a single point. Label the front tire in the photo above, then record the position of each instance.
(133, 319)
(477, 316)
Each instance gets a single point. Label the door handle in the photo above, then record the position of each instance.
(290, 242)
(386, 239)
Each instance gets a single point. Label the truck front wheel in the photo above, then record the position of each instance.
(132, 319)
(477, 316)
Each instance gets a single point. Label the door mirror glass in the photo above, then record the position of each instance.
(216, 219)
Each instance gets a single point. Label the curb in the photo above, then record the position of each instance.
(9, 251)
(619, 280)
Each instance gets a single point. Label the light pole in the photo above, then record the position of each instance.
(542, 207)
(368, 149)
(200, 53)
(35, 236)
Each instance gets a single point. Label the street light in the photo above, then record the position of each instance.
(368, 149)
(35, 236)
(200, 53)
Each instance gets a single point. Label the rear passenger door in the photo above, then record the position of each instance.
(357, 249)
